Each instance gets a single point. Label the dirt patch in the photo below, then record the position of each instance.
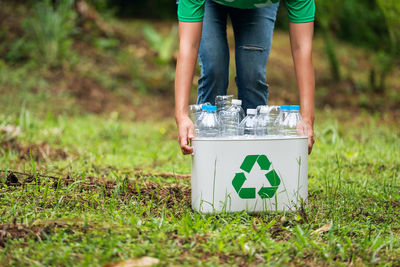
(167, 195)
(42, 151)
(17, 230)
(125, 190)
(37, 231)
(91, 95)
(10, 19)
(170, 194)
(163, 175)
(12, 180)
(143, 191)
(392, 204)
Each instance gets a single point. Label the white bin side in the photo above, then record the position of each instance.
(255, 175)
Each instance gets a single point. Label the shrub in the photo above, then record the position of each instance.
(47, 34)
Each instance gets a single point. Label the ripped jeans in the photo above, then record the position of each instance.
(253, 30)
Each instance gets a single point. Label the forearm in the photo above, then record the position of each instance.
(189, 41)
(306, 83)
(183, 81)
(301, 44)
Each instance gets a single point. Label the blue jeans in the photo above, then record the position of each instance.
(253, 30)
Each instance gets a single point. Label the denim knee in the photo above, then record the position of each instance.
(250, 79)
(213, 81)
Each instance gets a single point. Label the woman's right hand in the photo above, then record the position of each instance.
(185, 134)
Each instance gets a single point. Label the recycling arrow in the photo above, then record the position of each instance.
(247, 166)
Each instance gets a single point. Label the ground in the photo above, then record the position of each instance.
(95, 190)
(91, 173)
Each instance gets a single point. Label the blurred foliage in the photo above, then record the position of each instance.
(46, 34)
(164, 45)
(373, 24)
(105, 7)
(153, 9)
(368, 23)
(388, 57)
(327, 11)
(139, 55)
(360, 22)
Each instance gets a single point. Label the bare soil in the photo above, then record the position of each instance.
(37, 231)
(144, 191)
(42, 151)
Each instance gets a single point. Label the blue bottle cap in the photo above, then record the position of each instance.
(212, 108)
(205, 107)
(285, 107)
(295, 107)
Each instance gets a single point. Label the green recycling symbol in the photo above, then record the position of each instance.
(247, 166)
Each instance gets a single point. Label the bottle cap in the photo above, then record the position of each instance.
(237, 102)
(295, 107)
(205, 107)
(212, 108)
(284, 107)
(251, 111)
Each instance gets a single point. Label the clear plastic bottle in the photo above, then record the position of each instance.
(248, 125)
(223, 102)
(281, 117)
(261, 107)
(194, 112)
(237, 106)
(293, 125)
(208, 123)
(198, 116)
(273, 113)
(262, 121)
(231, 118)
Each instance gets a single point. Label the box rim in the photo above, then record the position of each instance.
(203, 139)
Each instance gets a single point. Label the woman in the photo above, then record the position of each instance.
(202, 33)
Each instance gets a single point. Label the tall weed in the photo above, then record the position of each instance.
(47, 34)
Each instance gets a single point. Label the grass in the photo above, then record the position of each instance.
(99, 172)
(84, 220)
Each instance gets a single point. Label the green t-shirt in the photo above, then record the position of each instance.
(299, 10)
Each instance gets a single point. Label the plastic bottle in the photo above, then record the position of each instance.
(198, 116)
(208, 123)
(231, 118)
(223, 102)
(281, 117)
(262, 121)
(194, 112)
(273, 113)
(237, 106)
(248, 125)
(261, 107)
(293, 124)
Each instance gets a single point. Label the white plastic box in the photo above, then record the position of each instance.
(255, 175)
